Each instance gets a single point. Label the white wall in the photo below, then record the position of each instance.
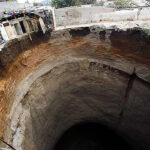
(8, 6)
(78, 16)
(4, 33)
(144, 14)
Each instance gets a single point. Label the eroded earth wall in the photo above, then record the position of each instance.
(76, 75)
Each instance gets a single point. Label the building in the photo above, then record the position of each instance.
(24, 25)
(17, 27)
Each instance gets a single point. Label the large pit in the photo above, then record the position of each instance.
(79, 89)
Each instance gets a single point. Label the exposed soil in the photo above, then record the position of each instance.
(123, 52)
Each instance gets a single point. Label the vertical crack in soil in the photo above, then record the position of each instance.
(127, 94)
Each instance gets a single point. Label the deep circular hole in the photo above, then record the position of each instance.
(91, 136)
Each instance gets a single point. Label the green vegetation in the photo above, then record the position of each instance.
(122, 3)
(68, 3)
(35, 4)
(78, 4)
(146, 31)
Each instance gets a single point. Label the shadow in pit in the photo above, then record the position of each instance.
(91, 136)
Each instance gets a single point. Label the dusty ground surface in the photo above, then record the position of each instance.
(127, 51)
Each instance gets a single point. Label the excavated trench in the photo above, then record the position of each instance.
(79, 89)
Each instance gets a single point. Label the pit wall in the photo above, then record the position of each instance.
(16, 46)
(65, 47)
(97, 14)
(8, 57)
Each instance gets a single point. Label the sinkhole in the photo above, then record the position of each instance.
(78, 89)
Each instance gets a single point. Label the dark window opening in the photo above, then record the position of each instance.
(91, 136)
(22, 26)
(1, 38)
(39, 26)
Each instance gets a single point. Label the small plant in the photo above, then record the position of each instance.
(146, 31)
(68, 3)
(122, 3)
(35, 4)
(78, 3)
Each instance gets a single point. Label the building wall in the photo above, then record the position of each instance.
(9, 32)
(4, 33)
(20, 26)
(79, 16)
(13, 6)
(26, 25)
(16, 25)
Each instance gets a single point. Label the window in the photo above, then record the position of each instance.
(22, 26)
